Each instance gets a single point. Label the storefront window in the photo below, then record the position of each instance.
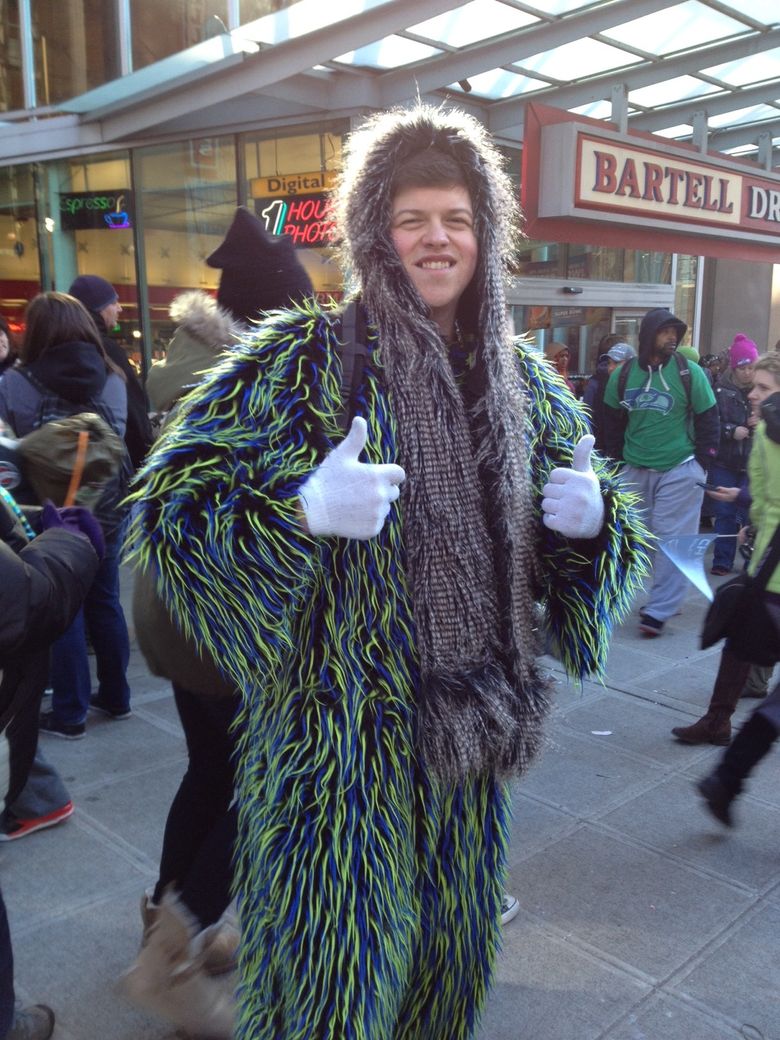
(75, 46)
(288, 179)
(88, 218)
(648, 268)
(595, 263)
(251, 9)
(19, 266)
(685, 293)
(162, 29)
(188, 199)
(540, 260)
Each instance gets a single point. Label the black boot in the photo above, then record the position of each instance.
(721, 787)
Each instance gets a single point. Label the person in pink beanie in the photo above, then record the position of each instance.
(742, 351)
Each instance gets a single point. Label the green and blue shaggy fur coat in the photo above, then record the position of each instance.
(369, 890)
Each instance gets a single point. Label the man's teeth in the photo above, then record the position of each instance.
(435, 265)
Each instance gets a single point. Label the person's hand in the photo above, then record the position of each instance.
(348, 498)
(753, 420)
(572, 503)
(740, 433)
(724, 494)
(77, 520)
(742, 534)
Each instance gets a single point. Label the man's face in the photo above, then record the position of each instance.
(665, 341)
(110, 314)
(743, 376)
(433, 233)
(764, 385)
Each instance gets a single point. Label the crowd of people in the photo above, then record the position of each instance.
(353, 536)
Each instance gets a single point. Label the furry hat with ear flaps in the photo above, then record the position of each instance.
(469, 525)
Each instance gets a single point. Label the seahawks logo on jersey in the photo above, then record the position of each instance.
(648, 399)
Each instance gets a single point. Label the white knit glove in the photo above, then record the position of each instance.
(572, 503)
(348, 498)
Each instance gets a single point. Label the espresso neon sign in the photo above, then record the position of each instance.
(93, 210)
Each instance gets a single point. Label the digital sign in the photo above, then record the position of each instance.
(307, 219)
(96, 210)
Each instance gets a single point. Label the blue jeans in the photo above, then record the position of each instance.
(102, 616)
(727, 518)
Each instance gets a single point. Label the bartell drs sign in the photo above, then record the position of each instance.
(584, 180)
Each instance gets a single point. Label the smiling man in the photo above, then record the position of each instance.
(661, 418)
(377, 598)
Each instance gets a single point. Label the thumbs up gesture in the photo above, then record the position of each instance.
(348, 498)
(572, 503)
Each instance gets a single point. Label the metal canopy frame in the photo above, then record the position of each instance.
(241, 80)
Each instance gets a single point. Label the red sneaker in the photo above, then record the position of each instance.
(13, 828)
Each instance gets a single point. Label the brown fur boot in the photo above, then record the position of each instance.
(715, 726)
(169, 977)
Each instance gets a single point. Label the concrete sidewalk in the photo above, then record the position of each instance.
(641, 918)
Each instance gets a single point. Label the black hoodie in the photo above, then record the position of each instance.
(706, 425)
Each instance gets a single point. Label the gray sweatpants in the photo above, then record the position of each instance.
(671, 504)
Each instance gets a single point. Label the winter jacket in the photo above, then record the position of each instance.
(337, 809)
(42, 586)
(734, 410)
(593, 398)
(656, 426)
(764, 479)
(204, 331)
(138, 433)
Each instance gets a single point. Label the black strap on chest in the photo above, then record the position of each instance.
(353, 352)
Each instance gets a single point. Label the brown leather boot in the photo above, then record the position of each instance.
(715, 726)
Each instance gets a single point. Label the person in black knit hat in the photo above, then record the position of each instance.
(101, 300)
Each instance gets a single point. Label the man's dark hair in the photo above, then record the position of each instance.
(430, 168)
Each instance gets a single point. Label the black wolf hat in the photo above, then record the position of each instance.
(259, 272)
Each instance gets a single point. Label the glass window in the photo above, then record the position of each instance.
(685, 292)
(87, 214)
(647, 267)
(188, 194)
(249, 10)
(160, 29)
(11, 90)
(597, 263)
(75, 44)
(19, 262)
(540, 260)
(288, 179)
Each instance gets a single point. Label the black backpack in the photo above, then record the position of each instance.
(353, 352)
(109, 510)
